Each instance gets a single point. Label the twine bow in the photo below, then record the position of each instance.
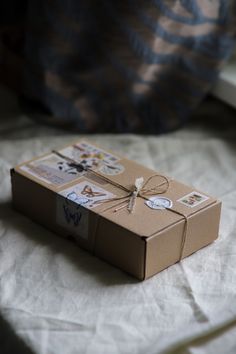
(140, 189)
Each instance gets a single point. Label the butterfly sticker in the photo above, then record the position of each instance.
(90, 193)
(86, 194)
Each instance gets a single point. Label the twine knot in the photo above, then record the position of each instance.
(137, 188)
(140, 189)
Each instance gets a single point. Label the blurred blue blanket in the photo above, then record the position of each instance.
(114, 66)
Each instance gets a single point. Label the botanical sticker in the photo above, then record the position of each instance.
(89, 155)
(193, 199)
(86, 194)
(159, 203)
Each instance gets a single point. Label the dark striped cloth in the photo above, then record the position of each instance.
(114, 66)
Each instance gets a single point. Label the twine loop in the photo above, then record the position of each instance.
(141, 189)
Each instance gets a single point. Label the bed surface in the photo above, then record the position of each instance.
(59, 299)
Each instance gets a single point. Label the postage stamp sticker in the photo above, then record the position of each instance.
(193, 199)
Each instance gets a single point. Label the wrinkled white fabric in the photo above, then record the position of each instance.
(60, 299)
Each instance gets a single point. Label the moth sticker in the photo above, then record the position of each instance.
(86, 194)
(112, 170)
(193, 199)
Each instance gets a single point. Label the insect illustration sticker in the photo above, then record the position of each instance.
(72, 217)
(86, 194)
(112, 170)
(193, 199)
(53, 169)
(159, 203)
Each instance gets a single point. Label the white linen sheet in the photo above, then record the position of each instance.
(57, 298)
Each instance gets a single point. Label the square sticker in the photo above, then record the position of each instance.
(53, 169)
(86, 194)
(193, 199)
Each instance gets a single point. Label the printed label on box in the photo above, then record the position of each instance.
(73, 217)
(53, 169)
(193, 199)
(87, 194)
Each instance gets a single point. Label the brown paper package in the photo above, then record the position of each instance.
(141, 243)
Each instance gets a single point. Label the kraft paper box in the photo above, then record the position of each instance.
(87, 194)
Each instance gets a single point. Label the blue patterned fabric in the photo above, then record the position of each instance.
(121, 66)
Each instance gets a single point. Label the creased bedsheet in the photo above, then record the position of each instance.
(57, 298)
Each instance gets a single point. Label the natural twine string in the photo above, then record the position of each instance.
(129, 200)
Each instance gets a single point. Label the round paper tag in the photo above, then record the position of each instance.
(112, 169)
(159, 203)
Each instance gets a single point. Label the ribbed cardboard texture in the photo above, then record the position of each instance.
(141, 243)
